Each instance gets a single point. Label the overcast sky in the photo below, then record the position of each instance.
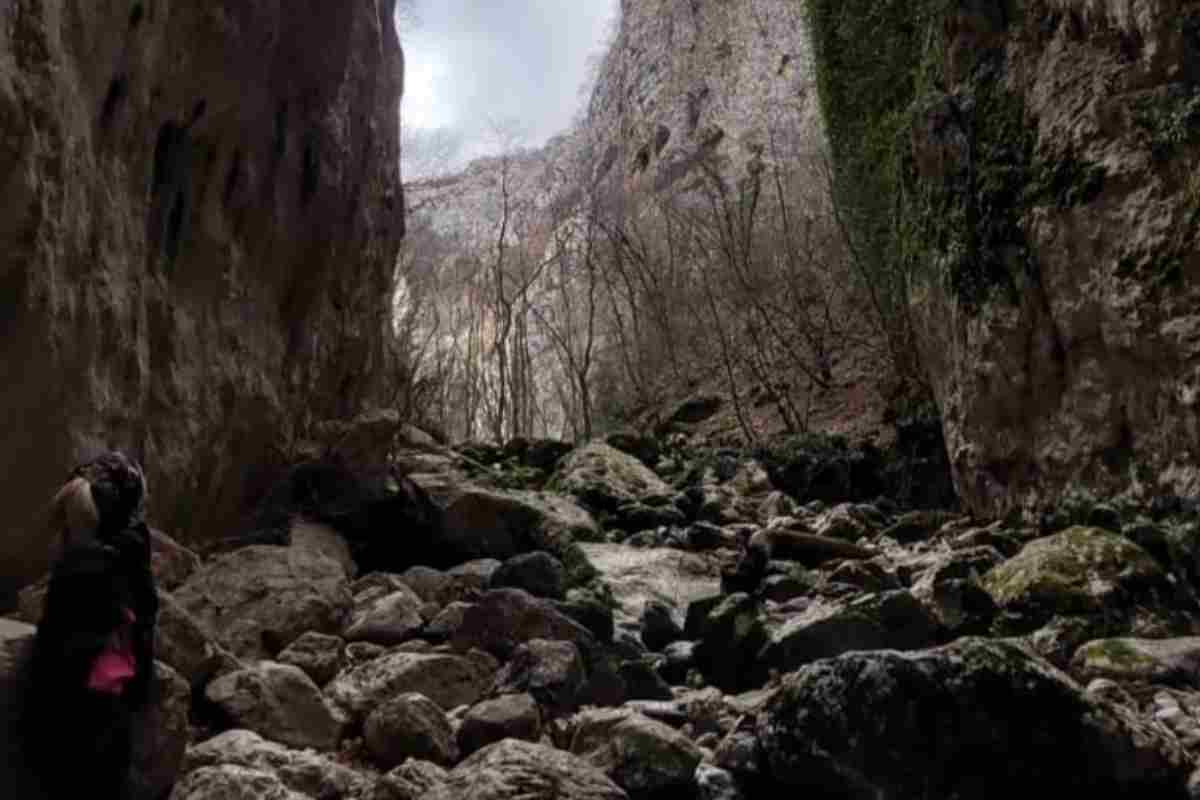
(474, 64)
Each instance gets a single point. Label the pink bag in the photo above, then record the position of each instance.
(115, 666)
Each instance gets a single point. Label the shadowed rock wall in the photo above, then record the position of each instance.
(1055, 183)
(200, 209)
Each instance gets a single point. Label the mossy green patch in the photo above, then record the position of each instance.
(1115, 655)
(1076, 571)
(883, 68)
(873, 58)
(968, 223)
(1168, 119)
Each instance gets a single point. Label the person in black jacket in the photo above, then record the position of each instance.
(92, 662)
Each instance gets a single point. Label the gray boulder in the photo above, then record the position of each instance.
(230, 755)
(514, 716)
(449, 680)
(492, 524)
(604, 478)
(389, 619)
(281, 703)
(257, 600)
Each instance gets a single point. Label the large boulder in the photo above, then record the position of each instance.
(259, 599)
(604, 478)
(638, 576)
(891, 620)
(976, 718)
(517, 770)
(484, 523)
(1080, 571)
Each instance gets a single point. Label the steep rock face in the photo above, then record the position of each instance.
(190, 193)
(689, 80)
(1065, 348)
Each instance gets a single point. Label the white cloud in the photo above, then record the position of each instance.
(473, 63)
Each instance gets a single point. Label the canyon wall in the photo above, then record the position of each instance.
(200, 210)
(688, 82)
(1053, 195)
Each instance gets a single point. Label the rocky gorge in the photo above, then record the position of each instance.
(200, 225)
(575, 622)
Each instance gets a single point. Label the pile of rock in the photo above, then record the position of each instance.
(710, 638)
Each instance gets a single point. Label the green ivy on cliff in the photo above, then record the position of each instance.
(887, 82)
(873, 59)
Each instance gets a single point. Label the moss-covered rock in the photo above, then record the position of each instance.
(976, 718)
(1172, 661)
(1079, 571)
(604, 478)
(889, 620)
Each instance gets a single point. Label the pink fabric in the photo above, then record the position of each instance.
(115, 666)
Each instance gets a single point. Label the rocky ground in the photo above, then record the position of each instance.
(628, 620)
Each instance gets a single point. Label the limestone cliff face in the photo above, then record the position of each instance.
(690, 81)
(199, 215)
(1065, 347)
